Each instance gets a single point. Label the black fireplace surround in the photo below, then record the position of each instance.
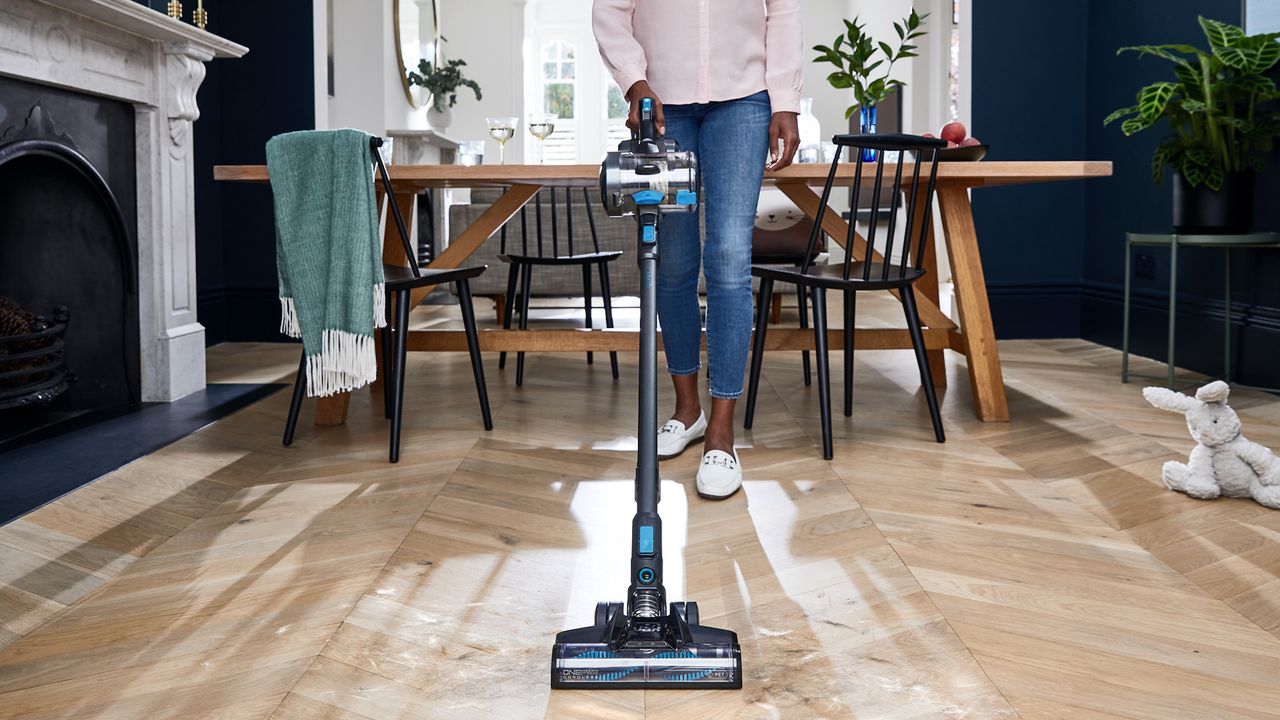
(68, 238)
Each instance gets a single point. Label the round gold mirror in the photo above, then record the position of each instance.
(417, 31)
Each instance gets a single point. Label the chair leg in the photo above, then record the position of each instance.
(402, 345)
(803, 303)
(586, 305)
(299, 387)
(473, 347)
(824, 370)
(526, 279)
(763, 303)
(385, 339)
(922, 359)
(850, 303)
(607, 293)
(512, 275)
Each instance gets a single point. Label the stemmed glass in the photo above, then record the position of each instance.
(541, 125)
(502, 129)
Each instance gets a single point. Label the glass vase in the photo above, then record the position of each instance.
(867, 126)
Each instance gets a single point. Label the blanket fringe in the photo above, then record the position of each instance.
(380, 305)
(289, 318)
(345, 362)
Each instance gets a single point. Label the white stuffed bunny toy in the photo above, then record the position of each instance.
(1223, 462)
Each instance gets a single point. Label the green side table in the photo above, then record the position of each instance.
(1173, 242)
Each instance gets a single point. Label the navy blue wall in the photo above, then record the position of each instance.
(1029, 85)
(244, 102)
(1044, 77)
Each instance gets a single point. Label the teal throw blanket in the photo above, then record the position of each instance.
(328, 253)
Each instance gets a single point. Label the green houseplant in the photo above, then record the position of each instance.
(442, 81)
(857, 56)
(1221, 125)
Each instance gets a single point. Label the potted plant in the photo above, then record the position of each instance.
(1221, 125)
(442, 81)
(857, 56)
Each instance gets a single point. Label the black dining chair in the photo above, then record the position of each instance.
(780, 248)
(526, 258)
(852, 277)
(399, 281)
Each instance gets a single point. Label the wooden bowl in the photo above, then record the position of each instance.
(972, 153)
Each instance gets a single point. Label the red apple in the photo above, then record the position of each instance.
(953, 132)
(969, 142)
(928, 135)
(952, 144)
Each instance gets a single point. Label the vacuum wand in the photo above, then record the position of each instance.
(639, 646)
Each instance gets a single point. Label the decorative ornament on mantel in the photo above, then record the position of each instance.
(175, 9)
(200, 18)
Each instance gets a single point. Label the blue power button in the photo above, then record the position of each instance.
(644, 544)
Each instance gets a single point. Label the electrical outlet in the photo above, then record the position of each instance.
(1144, 266)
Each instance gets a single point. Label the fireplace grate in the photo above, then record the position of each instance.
(33, 369)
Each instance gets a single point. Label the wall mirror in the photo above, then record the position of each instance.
(417, 31)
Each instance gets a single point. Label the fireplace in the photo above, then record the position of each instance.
(67, 249)
(96, 190)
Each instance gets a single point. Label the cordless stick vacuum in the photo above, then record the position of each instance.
(639, 646)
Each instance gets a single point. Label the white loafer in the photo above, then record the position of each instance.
(674, 437)
(719, 475)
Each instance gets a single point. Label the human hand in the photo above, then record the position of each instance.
(637, 92)
(783, 126)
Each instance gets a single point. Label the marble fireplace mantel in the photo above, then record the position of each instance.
(123, 50)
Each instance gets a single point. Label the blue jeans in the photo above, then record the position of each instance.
(731, 139)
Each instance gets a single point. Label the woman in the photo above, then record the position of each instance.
(725, 76)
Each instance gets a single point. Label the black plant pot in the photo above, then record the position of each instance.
(1201, 211)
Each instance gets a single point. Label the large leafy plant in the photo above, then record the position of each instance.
(857, 56)
(442, 80)
(1215, 107)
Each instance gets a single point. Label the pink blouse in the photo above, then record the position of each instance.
(699, 51)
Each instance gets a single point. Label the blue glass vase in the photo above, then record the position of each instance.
(867, 124)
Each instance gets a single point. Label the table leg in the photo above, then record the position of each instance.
(1226, 330)
(1124, 323)
(1173, 302)
(979, 338)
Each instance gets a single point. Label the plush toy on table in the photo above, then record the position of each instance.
(1223, 462)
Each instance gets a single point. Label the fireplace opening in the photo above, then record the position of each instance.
(33, 360)
(68, 277)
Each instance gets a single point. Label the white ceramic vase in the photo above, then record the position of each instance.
(439, 119)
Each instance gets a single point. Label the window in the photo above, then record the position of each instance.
(616, 109)
(953, 74)
(558, 74)
(559, 96)
(563, 74)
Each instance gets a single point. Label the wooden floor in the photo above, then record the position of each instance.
(1034, 569)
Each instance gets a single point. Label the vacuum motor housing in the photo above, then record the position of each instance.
(650, 173)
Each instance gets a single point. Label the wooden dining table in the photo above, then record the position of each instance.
(971, 333)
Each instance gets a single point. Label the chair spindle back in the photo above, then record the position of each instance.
(918, 206)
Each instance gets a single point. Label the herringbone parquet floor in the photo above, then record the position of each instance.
(1034, 569)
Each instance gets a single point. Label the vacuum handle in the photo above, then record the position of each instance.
(648, 128)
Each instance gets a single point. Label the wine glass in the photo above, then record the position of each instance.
(541, 125)
(502, 129)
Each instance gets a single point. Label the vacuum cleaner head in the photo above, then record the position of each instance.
(667, 652)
